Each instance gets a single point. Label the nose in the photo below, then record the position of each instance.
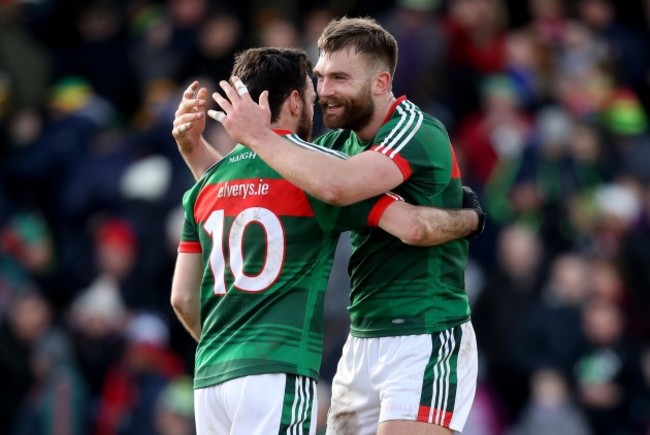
(324, 88)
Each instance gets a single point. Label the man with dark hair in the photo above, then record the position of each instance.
(255, 256)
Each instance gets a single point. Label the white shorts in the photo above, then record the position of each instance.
(427, 378)
(265, 404)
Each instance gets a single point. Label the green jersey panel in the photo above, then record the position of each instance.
(399, 289)
(267, 249)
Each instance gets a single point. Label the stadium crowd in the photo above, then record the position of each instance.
(546, 104)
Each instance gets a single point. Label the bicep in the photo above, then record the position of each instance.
(370, 174)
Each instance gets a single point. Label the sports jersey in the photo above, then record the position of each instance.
(267, 250)
(397, 289)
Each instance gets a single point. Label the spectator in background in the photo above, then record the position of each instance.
(135, 382)
(510, 289)
(219, 37)
(56, 403)
(476, 34)
(27, 322)
(550, 408)
(493, 136)
(627, 55)
(26, 255)
(608, 374)
(416, 27)
(549, 331)
(174, 412)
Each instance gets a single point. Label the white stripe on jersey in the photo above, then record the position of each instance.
(410, 122)
(312, 146)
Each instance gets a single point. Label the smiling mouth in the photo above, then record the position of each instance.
(332, 107)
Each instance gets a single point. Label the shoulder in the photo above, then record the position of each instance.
(316, 147)
(409, 126)
(334, 139)
(407, 116)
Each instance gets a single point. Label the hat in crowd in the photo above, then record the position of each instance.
(554, 125)
(500, 85)
(147, 328)
(147, 179)
(70, 94)
(100, 301)
(116, 232)
(624, 114)
(619, 201)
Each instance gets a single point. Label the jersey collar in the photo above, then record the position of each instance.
(282, 132)
(393, 107)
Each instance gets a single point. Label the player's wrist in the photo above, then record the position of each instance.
(471, 202)
(480, 225)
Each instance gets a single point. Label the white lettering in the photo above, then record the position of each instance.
(244, 190)
(242, 156)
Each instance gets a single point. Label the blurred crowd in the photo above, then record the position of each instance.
(546, 103)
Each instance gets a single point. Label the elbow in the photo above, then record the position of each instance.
(179, 303)
(334, 194)
(414, 235)
(418, 234)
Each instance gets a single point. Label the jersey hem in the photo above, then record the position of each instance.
(396, 332)
(221, 378)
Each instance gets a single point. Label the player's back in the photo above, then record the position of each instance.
(267, 249)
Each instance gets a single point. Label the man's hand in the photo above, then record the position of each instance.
(247, 122)
(470, 200)
(189, 118)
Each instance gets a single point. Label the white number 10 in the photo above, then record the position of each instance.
(274, 257)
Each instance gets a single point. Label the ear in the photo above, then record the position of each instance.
(382, 82)
(295, 103)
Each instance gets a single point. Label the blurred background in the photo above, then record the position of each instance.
(546, 103)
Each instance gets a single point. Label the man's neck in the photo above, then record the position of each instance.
(370, 130)
(282, 127)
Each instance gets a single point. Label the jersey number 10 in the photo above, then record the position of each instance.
(273, 260)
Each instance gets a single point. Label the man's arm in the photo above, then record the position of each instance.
(330, 179)
(428, 226)
(186, 292)
(189, 124)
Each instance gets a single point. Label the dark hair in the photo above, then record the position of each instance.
(363, 35)
(277, 70)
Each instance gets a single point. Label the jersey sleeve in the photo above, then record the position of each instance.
(417, 143)
(190, 235)
(354, 216)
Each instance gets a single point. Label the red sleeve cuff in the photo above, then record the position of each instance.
(402, 164)
(379, 208)
(190, 247)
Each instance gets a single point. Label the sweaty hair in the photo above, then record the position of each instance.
(277, 70)
(364, 36)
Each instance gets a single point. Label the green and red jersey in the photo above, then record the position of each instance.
(267, 251)
(397, 289)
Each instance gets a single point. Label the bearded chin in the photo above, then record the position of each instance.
(356, 113)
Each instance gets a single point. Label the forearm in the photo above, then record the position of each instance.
(189, 318)
(186, 292)
(200, 157)
(315, 173)
(331, 179)
(427, 226)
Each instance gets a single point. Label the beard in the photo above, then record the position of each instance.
(304, 128)
(356, 114)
